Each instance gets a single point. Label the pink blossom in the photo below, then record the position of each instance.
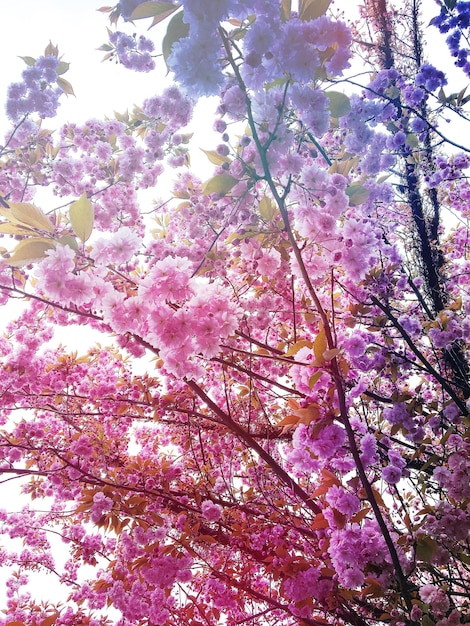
(117, 249)
(211, 511)
(101, 504)
(392, 474)
(345, 502)
(328, 440)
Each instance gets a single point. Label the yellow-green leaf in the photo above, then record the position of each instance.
(30, 250)
(266, 208)
(7, 228)
(412, 140)
(30, 215)
(221, 184)
(65, 86)
(177, 29)
(357, 194)
(81, 216)
(339, 103)
(158, 10)
(311, 9)
(214, 157)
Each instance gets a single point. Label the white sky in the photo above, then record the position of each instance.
(78, 30)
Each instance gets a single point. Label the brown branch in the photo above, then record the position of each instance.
(254, 445)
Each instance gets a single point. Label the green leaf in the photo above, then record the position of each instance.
(425, 548)
(412, 140)
(339, 103)
(177, 29)
(461, 95)
(65, 86)
(464, 557)
(29, 60)
(81, 216)
(30, 250)
(221, 184)
(311, 9)
(357, 194)
(68, 240)
(62, 67)
(158, 10)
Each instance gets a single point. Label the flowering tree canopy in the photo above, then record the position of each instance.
(272, 427)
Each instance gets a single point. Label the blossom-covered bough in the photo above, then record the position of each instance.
(272, 427)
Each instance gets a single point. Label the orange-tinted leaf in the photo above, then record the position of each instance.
(298, 345)
(373, 588)
(50, 620)
(289, 420)
(207, 538)
(319, 522)
(330, 354)
(360, 516)
(319, 347)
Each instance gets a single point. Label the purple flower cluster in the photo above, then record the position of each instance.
(37, 93)
(430, 77)
(133, 52)
(456, 22)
